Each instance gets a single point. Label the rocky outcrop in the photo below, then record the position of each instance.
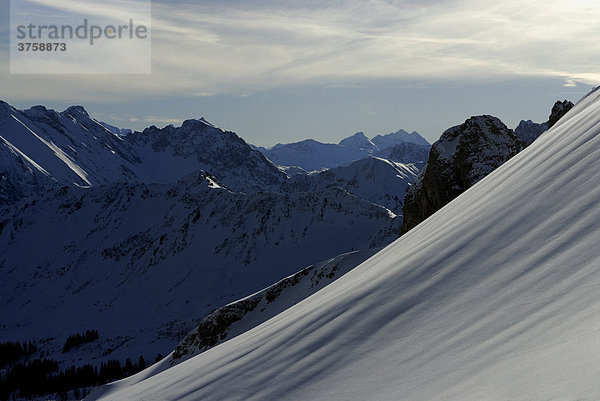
(460, 158)
(558, 110)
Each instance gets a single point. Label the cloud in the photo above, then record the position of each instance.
(213, 48)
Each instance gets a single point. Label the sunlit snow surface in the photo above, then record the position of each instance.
(495, 297)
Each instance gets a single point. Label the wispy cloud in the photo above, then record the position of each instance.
(238, 47)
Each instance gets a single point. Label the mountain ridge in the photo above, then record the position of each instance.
(312, 155)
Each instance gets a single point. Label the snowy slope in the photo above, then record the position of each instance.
(70, 146)
(494, 297)
(406, 153)
(240, 316)
(116, 130)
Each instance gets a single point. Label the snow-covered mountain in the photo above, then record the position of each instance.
(397, 138)
(406, 153)
(141, 263)
(460, 158)
(493, 297)
(116, 130)
(46, 147)
(41, 149)
(359, 141)
(312, 155)
(528, 131)
(377, 180)
(198, 144)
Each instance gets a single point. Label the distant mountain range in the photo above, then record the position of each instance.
(311, 155)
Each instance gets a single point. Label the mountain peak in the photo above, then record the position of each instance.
(75, 111)
(358, 141)
(558, 111)
(5, 108)
(398, 137)
(197, 123)
(462, 156)
(528, 131)
(205, 121)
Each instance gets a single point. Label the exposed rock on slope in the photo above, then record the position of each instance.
(461, 157)
(558, 111)
(247, 313)
(528, 131)
(202, 146)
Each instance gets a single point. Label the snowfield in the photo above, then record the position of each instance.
(495, 297)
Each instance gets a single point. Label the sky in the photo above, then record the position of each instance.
(281, 71)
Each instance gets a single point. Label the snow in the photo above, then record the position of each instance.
(494, 297)
(58, 152)
(447, 149)
(24, 156)
(358, 141)
(250, 311)
(77, 150)
(142, 254)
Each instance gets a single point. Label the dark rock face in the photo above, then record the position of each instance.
(559, 110)
(460, 158)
